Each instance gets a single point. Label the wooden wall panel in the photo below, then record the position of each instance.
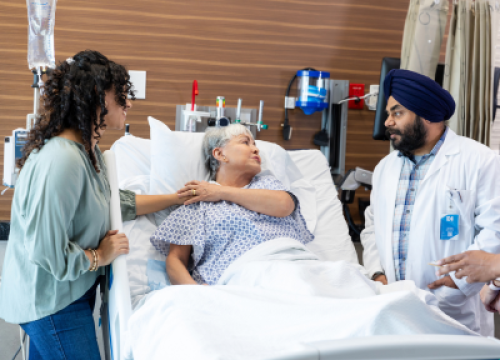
(247, 49)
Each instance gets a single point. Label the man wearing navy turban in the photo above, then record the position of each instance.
(437, 195)
(424, 100)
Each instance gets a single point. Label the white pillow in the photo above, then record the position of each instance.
(132, 157)
(278, 162)
(177, 157)
(332, 241)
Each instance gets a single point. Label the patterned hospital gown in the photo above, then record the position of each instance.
(220, 232)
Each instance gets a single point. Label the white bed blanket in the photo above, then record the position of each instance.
(275, 298)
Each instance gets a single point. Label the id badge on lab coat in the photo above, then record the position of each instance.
(450, 220)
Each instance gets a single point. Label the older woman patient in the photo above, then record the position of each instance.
(229, 216)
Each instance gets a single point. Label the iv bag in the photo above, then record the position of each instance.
(41, 18)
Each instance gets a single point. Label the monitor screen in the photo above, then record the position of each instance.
(380, 114)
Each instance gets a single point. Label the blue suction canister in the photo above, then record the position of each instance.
(312, 91)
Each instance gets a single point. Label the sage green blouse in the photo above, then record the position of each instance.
(60, 208)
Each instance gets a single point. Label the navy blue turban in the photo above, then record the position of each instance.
(420, 94)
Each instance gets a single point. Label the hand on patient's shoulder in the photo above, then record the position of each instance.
(195, 191)
(181, 199)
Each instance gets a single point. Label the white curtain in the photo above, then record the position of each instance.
(495, 130)
(470, 56)
(423, 34)
(469, 66)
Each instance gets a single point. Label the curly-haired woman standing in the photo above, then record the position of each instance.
(60, 229)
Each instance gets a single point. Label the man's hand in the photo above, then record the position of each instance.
(490, 299)
(445, 281)
(381, 278)
(478, 266)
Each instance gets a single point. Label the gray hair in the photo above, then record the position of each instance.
(217, 137)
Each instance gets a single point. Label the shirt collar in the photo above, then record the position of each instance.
(436, 147)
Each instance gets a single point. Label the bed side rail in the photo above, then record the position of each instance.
(119, 306)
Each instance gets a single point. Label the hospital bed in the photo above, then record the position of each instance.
(130, 278)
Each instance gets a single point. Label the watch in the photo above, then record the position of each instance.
(378, 273)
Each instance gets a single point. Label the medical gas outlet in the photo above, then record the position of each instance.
(259, 125)
(190, 117)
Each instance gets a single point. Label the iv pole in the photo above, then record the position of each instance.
(37, 81)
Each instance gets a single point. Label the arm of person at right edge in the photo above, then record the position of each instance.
(476, 265)
(490, 298)
(371, 258)
(177, 263)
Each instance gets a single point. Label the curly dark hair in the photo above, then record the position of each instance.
(71, 95)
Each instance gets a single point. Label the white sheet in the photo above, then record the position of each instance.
(278, 296)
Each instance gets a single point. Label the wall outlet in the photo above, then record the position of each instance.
(371, 102)
(138, 80)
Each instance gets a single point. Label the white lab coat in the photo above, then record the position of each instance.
(461, 164)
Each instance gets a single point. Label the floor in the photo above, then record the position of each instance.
(9, 334)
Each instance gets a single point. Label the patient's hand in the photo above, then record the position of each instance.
(200, 191)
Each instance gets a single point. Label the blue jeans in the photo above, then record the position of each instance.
(68, 334)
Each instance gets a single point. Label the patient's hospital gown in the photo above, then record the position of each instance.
(220, 232)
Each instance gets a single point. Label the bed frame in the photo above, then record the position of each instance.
(116, 309)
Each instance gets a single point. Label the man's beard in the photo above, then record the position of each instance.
(412, 138)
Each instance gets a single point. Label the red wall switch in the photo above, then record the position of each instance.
(356, 90)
